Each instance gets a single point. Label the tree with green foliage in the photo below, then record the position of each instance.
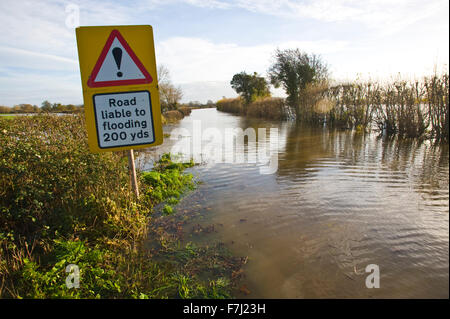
(46, 106)
(250, 87)
(294, 70)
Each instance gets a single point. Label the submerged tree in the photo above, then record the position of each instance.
(250, 87)
(295, 70)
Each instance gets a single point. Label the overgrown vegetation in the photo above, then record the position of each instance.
(230, 105)
(172, 116)
(46, 107)
(269, 107)
(409, 109)
(295, 70)
(61, 205)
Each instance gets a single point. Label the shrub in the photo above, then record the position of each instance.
(269, 108)
(185, 110)
(50, 182)
(436, 99)
(173, 116)
(230, 105)
(166, 180)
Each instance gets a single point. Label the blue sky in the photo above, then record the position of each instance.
(203, 43)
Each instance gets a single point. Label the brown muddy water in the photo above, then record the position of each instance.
(338, 202)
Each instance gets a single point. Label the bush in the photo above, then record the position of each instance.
(173, 116)
(269, 108)
(411, 109)
(436, 99)
(53, 190)
(51, 184)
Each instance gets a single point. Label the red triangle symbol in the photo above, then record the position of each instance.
(118, 65)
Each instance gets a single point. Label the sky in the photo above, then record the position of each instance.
(204, 43)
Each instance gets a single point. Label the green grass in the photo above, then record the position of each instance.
(7, 117)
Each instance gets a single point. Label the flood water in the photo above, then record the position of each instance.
(337, 202)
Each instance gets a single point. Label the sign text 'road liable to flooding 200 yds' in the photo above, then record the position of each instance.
(123, 119)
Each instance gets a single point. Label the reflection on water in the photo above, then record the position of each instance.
(338, 202)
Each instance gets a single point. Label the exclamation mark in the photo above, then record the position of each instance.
(117, 53)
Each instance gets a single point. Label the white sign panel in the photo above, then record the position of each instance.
(123, 119)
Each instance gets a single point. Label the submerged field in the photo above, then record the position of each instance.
(338, 201)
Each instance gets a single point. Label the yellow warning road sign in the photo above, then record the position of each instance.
(120, 87)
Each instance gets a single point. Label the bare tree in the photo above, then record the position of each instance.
(170, 95)
(163, 74)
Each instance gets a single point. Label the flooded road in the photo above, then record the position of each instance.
(338, 201)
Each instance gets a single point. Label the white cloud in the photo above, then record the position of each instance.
(386, 15)
(217, 4)
(20, 58)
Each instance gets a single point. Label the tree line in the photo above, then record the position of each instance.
(46, 107)
(170, 98)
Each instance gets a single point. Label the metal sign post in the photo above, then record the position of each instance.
(133, 177)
